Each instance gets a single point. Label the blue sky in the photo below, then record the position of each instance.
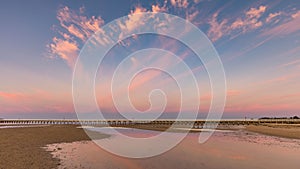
(257, 41)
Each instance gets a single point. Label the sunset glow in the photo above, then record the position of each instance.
(258, 44)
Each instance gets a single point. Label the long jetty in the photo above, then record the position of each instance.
(123, 122)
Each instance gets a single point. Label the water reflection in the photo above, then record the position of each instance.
(234, 149)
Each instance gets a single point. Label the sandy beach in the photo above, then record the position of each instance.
(287, 131)
(23, 147)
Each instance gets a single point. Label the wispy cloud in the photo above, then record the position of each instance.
(217, 29)
(273, 16)
(291, 25)
(256, 12)
(250, 20)
(273, 24)
(135, 20)
(77, 24)
(180, 3)
(73, 31)
(291, 96)
(296, 15)
(261, 108)
(75, 27)
(192, 16)
(277, 80)
(11, 96)
(294, 62)
(35, 101)
(66, 49)
(158, 8)
(231, 93)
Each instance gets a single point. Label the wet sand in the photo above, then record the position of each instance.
(287, 131)
(23, 147)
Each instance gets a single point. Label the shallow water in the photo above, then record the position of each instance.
(234, 149)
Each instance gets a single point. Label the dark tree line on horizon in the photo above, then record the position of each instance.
(294, 117)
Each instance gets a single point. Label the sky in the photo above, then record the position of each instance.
(257, 42)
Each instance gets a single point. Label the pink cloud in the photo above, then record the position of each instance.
(249, 21)
(262, 108)
(197, 1)
(256, 12)
(143, 78)
(73, 30)
(135, 20)
(280, 79)
(65, 49)
(296, 15)
(158, 8)
(10, 96)
(138, 10)
(292, 25)
(35, 101)
(73, 25)
(294, 62)
(180, 3)
(192, 16)
(291, 96)
(272, 16)
(231, 93)
(77, 24)
(217, 29)
(206, 97)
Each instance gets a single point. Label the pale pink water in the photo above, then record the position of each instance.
(236, 150)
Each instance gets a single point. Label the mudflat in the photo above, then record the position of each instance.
(23, 147)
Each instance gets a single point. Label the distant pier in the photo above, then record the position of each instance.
(159, 122)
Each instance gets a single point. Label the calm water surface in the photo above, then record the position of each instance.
(225, 149)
